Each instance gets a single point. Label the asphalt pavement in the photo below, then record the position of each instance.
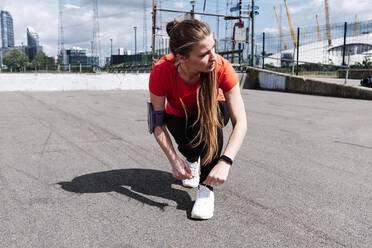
(79, 169)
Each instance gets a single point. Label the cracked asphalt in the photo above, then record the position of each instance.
(79, 169)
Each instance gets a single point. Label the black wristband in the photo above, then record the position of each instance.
(227, 159)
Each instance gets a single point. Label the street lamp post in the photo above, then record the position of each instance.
(193, 8)
(135, 39)
(111, 52)
(22, 56)
(1, 60)
(253, 63)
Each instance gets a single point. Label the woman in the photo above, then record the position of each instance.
(195, 112)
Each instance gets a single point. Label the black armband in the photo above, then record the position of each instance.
(227, 159)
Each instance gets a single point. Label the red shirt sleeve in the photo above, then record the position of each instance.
(156, 85)
(227, 75)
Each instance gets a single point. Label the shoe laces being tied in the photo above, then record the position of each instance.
(194, 165)
(204, 192)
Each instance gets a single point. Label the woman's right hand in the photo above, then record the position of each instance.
(180, 170)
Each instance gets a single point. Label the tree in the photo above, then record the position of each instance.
(15, 59)
(41, 60)
(367, 63)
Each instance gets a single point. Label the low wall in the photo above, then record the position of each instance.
(355, 73)
(264, 79)
(253, 79)
(72, 81)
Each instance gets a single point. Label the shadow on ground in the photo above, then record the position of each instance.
(133, 183)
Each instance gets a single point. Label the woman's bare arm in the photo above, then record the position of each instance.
(179, 167)
(238, 117)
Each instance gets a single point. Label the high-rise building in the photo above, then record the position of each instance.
(6, 30)
(32, 37)
(33, 46)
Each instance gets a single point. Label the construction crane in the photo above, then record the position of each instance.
(280, 29)
(329, 35)
(318, 27)
(291, 25)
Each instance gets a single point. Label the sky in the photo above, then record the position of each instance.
(118, 17)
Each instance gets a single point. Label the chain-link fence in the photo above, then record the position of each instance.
(347, 45)
(131, 63)
(320, 51)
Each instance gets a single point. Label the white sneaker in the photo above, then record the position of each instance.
(195, 169)
(204, 204)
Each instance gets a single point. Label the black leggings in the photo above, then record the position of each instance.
(184, 133)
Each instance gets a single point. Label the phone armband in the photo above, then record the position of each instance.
(154, 118)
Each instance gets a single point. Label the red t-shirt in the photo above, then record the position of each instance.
(162, 83)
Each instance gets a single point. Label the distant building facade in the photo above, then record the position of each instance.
(33, 43)
(6, 30)
(77, 55)
(121, 51)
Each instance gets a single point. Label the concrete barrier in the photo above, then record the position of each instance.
(256, 78)
(355, 73)
(72, 81)
(253, 79)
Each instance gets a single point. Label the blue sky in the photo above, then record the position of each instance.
(118, 17)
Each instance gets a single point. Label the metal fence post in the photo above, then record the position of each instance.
(298, 48)
(344, 48)
(347, 69)
(293, 59)
(263, 50)
(253, 38)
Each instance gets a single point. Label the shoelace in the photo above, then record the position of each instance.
(203, 192)
(193, 166)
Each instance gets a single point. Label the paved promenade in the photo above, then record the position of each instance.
(78, 169)
(350, 82)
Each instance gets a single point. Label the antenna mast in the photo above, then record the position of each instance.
(329, 34)
(60, 29)
(318, 28)
(96, 46)
(280, 29)
(291, 25)
(144, 26)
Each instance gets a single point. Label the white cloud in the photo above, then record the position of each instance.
(273, 31)
(70, 6)
(117, 18)
(340, 11)
(181, 5)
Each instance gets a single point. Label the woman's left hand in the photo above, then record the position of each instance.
(218, 174)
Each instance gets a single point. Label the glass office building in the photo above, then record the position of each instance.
(32, 37)
(33, 46)
(6, 30)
